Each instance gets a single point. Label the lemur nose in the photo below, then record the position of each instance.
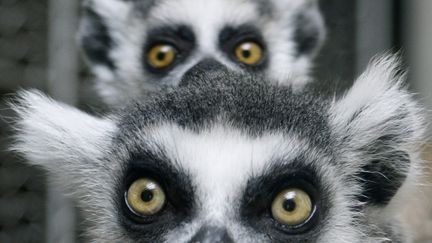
(206, 69)
(212, 234)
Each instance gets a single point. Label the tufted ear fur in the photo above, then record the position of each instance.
(379, 129)
(72, 146)
(60, 138)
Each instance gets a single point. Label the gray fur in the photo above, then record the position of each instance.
(114, 35)
(222, 139)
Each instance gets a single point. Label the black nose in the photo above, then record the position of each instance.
(206, 70)
(211, 234)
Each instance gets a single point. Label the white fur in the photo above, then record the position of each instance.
(71, 145)
(51, 132)
(79, 150)
(376, 100)
(233, 158)
(206, 17)
(378, 97)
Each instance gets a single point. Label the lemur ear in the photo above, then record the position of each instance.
(309, 28)
(97, 28)
(380, 129)
(60, 138)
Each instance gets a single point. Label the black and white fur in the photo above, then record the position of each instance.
(223, 142)
(114, 35)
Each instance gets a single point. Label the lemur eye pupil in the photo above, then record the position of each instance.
(246, 53)
(289, 205)
(147, 195)
(160, 56)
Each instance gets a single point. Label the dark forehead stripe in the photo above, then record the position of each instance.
(173, 32)
(235, 32)
(96, 40)
(246, 102)
(143, 6)
(307, 34)
(264, 7)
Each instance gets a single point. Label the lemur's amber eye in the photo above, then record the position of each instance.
(161, 56)
(145, 197)
(292, 207)
(249, 53)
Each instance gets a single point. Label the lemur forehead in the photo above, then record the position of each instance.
(222, 168)
(145, 6)
(244, 103)
(189, 11)
(232, 155)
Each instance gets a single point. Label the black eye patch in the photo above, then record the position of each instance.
(180, 37)
(261, 190)
(176, 184)
(231, 36)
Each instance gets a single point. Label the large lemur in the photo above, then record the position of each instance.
(136, 46)
(229, 157)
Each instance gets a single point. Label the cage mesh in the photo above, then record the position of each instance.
(23, 58)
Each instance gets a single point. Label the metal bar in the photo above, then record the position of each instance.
(374, 30)
(419, 37)
(63, 54)
(62, 85)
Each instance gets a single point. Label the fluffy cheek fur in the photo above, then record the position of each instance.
(293, 32)
(234, 157)
(367, 165)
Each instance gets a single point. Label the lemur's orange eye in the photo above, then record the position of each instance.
(292, 207)
(249, 53)
(161, 56)
(145, 197)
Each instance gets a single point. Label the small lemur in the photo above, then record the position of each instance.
(229, 157)
(137, 46)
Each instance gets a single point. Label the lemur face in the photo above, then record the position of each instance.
(136, 46)
(232, 158)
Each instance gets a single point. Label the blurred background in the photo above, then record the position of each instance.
(38, 49)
